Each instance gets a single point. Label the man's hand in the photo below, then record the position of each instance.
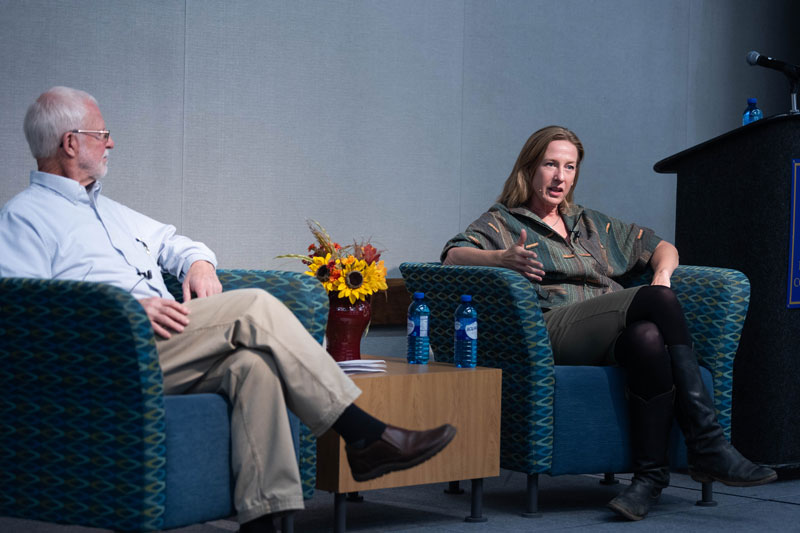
(516, 257)
(165, 315)
(202, 280)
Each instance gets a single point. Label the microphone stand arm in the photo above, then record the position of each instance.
(793, 75)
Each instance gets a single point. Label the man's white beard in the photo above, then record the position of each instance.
(101, 169)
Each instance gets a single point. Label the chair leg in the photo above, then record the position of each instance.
(287, 523)
(532, 497)
(708, 495)
(609, 479)
(339, 512)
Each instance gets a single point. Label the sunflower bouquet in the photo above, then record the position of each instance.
(353, 272)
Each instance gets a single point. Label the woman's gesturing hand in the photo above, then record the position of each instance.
(516, 257)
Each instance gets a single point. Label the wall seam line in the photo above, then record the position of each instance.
(690, 17)
(183, 118)
(461, 127)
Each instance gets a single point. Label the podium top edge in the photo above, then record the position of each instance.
(668, 165)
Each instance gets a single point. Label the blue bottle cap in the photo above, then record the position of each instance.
(419, 295)
(466, 298)
(752, 101)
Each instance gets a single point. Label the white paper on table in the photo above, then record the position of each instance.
(358, 366)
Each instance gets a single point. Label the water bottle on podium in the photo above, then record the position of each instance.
(418, 339)
(752, 113)
(465, 342)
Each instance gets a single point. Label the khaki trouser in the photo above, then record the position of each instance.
(248, 346)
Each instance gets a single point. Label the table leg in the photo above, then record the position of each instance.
(453, 488)
(476, 508)
(339, 512)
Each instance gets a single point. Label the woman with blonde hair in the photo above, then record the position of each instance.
(575, 256)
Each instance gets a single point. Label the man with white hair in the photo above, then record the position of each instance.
(243, 344)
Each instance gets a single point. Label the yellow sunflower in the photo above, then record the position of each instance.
(351, 283)
(375, 277)
(324, 270)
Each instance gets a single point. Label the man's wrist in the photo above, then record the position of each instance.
(200, 262)
(196, 259)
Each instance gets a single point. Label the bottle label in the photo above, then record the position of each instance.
(418, 326)
(466, 328)
(423, 326)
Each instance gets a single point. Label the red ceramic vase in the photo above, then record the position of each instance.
(346, 325)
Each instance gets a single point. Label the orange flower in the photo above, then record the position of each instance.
(371, 255)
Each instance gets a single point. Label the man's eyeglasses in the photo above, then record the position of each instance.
(103, 134)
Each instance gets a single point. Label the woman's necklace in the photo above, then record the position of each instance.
(559, 222)
(555, 223)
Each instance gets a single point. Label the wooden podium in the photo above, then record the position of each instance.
(734, 210)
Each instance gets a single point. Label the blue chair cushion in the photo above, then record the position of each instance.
(198, 459)
(591, 424)
(198, 450)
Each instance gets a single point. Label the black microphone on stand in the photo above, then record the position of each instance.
(792, 71)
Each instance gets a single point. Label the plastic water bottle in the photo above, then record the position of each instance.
(466, 334)
(418, 340)
(752, 113)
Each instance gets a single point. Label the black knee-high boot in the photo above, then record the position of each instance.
(711, 456)
(651, 421)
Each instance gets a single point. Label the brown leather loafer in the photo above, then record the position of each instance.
(397, 449)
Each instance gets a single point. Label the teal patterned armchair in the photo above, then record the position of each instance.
(87, 435)
(573, 419)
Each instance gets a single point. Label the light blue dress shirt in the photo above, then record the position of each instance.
(56, 229)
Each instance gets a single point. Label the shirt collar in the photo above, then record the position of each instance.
(571, 217)
(68, 188)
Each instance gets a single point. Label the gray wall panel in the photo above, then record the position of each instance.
(620, 86)
(346, 113)
(130, 57)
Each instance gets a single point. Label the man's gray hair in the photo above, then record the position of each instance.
(55, 112)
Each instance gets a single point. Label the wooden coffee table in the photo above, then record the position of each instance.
(422, 397)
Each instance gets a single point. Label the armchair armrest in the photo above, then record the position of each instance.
(512, 336)
(307, 299)
(715, 302)
(302, 294)
(82, 406)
